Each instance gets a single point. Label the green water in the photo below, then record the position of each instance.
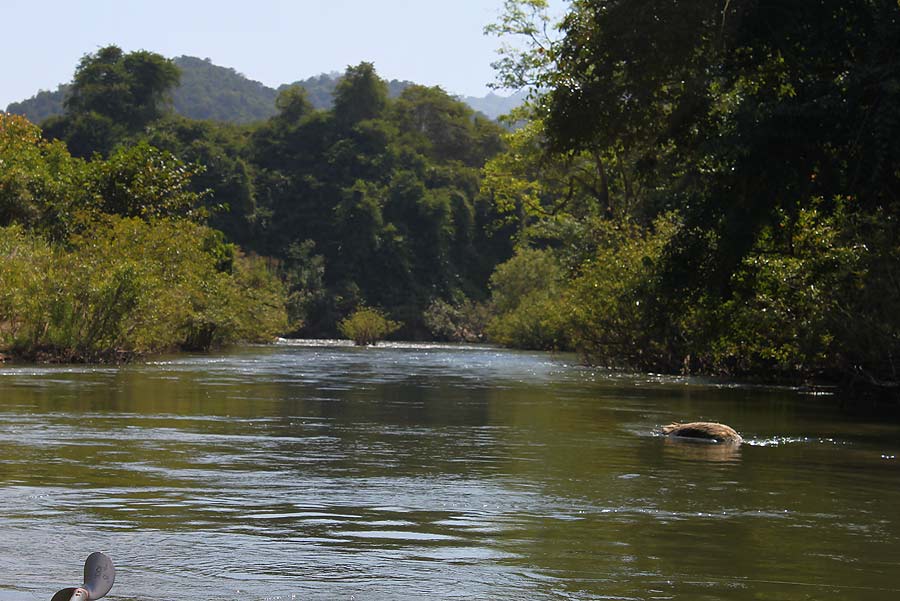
(435, 472)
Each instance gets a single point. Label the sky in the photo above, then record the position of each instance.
(431, 42)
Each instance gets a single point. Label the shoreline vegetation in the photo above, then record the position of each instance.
(723, 201)
(107, 259)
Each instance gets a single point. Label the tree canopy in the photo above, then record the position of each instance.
(753, 145)
(107, 259)
(113, 94)
(374, 202)
(382, 193)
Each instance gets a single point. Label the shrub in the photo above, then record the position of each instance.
(615, 299)
(532, 309)
(460, 322)
(529, 270)
(540, 322)
(830, 305)
(366, 326)
(129, 287)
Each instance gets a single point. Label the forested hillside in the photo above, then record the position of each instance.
(41, 106)
(320, 89)
(208, 91)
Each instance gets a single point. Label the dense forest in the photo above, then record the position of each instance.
(707, 187)
(700, 188)
(374, 202)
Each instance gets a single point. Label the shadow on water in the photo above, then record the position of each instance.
(435, 471)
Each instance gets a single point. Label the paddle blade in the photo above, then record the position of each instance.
(99, 575)
(64, 595)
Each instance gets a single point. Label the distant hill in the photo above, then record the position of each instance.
(319, 88)
(207, 91)
(211, 92)
(215, 93)
(494, 105)
(42, 105)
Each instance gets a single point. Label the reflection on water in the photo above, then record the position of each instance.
(701, 450)
(323, 471)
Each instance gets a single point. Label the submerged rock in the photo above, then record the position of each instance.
(710, 431)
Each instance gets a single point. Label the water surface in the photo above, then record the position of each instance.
(435, 472)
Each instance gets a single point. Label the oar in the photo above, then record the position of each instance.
(99, 575)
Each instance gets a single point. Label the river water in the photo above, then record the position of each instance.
(322, 471)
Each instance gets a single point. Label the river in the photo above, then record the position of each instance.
(321, 471)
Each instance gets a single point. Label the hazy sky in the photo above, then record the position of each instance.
(433, 42)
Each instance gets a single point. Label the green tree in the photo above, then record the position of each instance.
(359, 95)
(304, 275)
(530, 182)
(143, 181)
(737, 119)
(293, 104)
(744, 117)
(442, 128)
(37, 178)
(222, 174)
(113, 94)
(359, 224)
(103, 260)
(131, 89)
(385, 189)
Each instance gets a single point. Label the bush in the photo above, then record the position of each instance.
(829, 306)
(129, 287)
(617, 314)
(529, 270)
(540, 322)
(367, 326)
(105, 259)
(40, 182)
(532, 308)
(461, 322)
